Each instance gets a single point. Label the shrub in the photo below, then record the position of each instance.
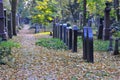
(51, 43)
(5, 50)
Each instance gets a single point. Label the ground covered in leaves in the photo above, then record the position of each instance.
(32, 62)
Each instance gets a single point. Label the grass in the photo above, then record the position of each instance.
(99, 45)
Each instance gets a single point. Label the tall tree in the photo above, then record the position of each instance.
(116, 7)
(13, 10)
(84, 12)
(44, 11)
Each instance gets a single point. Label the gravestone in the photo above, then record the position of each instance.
(10, 31)
(3, 34)
(66, 39)
(70, 38)
(74, 38)
(116, 49)
(60, 32)
(88, 44)
(90, 57)
(106, 34)
(85, 29)
(57, 29)
(5, 18)
(100, 29)
(54, 30)
(64, 32)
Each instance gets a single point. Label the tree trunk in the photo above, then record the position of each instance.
(13, 9)
(116, 6)
(84, 12)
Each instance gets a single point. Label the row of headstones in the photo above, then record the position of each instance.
(6, 28)
(5, 25)
(116, 47)
(69, 36)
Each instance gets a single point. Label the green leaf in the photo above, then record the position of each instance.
(74, 78)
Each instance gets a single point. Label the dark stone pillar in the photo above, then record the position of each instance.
(70, 38)
(106, 34)
(57, 29)
(85, 43)
(110, 48)
(10, 29)
(74, 38)
(3, 34)
(90, 56)
(5, 18)
(60, 27)
(116, 51)
(67, 36)
(64, 32)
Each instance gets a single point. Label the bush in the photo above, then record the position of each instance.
(51, 43)
(5, 50)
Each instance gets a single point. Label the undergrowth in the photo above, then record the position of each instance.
(51, 43)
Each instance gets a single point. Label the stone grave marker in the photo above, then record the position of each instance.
(74, 38)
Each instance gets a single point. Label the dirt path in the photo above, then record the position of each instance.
(30, 66)
(38, 63)
(27, 66)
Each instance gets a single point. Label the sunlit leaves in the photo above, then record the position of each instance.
(96, 6)
(45, 11)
